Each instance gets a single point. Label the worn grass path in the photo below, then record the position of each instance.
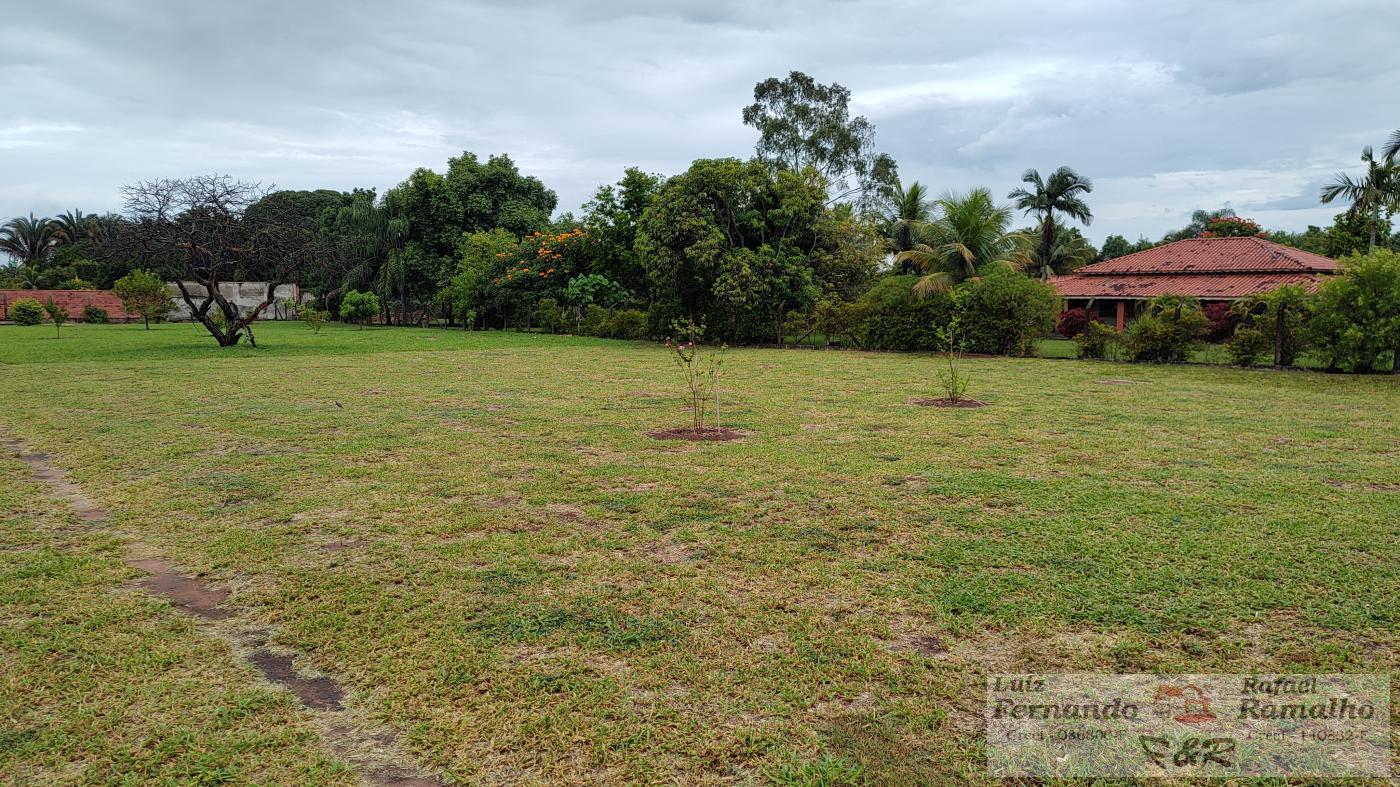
(473, 533)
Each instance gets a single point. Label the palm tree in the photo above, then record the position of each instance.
(1377, 190)
(1071, 251)
(907, 217)
(969, 235)
(372, 237)
(28, 240)
(1062, 192)
(71, 226)
(1392, 148)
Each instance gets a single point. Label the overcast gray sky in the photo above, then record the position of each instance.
(1168, 105)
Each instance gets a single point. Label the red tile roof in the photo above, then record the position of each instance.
(1208, 287)
(1215, 255)
(1204, 268)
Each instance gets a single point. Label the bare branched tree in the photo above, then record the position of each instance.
(199, 232)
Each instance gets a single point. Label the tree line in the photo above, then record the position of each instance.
(804, 235)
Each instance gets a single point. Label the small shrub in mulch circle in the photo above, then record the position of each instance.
(701, 370)
(963, 402)
(953, 380)
(704, 434)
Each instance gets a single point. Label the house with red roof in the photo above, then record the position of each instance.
(1208, 269)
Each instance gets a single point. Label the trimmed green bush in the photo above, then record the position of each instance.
(1172, 327)
(895, 318)
(95, 314)
(1261, 314)
(359, 307)
(627, 324)
(1005, 312)
(26, 311)
(549, 316)
(595, 320)
(1248, 345)
(1093, 340)
(1355, 322)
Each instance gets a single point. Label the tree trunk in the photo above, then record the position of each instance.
(1278, 338)
(1047, 238)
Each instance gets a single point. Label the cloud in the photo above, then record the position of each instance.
(1169, 107)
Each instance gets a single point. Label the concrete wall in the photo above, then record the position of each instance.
(245, 294)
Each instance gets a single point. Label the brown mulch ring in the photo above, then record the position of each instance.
(705, 434)
(943, 402)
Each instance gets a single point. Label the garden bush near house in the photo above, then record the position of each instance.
(1071, 322)
(1004, 312)
(95, 315)
(894, 317)
(1355, 322)
(1094, 341)
(1221, 319)
(26, 311)
(1248, 345)
(1261, 314)
(1168, 332)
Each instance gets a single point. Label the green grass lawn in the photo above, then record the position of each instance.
(474, 533)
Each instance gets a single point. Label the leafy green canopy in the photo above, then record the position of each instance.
(803, 123)
(1356, 316)
(735, 245)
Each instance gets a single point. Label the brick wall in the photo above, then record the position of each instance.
(73, 300)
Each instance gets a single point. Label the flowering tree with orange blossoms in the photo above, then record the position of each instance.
(539, 266)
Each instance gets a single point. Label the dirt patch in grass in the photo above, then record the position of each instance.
(38, 462)
(501, 501)
(945, 402)
(342, 546)
(565, 512)
(923, 644)
(190, 594)
(1371, 487)
(633, 488)
(708, 434)
(669, 553)
(374, 753)
(320, 693)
